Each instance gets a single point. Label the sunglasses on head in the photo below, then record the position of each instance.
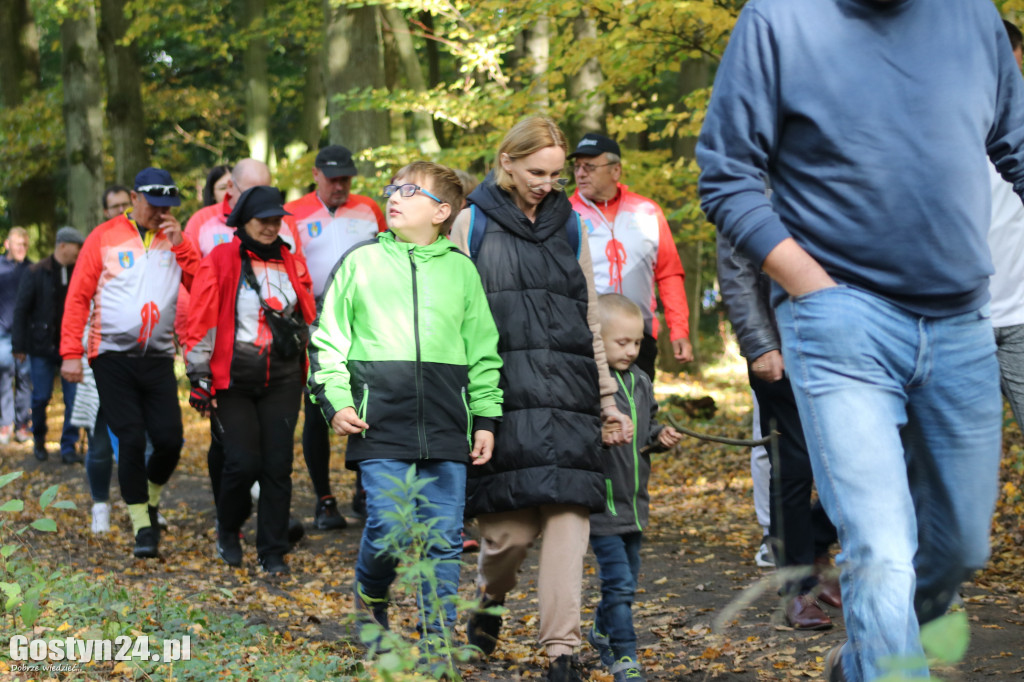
(159, 190)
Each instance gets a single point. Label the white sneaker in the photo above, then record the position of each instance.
(101, 517)
(765, 557)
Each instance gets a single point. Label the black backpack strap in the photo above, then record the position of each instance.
(477, 230)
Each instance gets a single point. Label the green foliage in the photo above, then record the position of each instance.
(21, 582)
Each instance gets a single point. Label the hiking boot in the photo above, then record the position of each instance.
(296, 531)
(326, 516)
(565, 668)
(483, 628)
(101, 517)
(604, 648)
(274, 564)
(71, 457)
(626, 669)
(147, 541)
(229, 546)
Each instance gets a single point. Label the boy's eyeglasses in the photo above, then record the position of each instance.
(408, 190)
(159, 190)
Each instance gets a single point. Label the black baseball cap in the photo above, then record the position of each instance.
(260, 201)
(158, 187)
(595, 144)
(335, 161)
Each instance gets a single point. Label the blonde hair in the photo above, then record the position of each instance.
(526, 137)
(612, 306)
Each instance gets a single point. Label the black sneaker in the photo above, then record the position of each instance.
(156, 519)
(565, 668)
(483, 628)
(327, 516)
(229, 546)
(71, 457)
(295, 531)
(274, 564)
(40, 452)
(147, 540)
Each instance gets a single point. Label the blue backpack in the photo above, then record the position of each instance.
(478, 228)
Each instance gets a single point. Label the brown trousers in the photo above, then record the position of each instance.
(566, 531)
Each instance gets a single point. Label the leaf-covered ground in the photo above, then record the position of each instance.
(704, 612)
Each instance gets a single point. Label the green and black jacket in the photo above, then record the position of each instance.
(627, 468)
(405, 336)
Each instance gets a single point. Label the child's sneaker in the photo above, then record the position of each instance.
(603, 646)
(370, 610)
(627, 669)
(101, 517)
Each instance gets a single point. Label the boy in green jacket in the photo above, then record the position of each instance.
(404, 360)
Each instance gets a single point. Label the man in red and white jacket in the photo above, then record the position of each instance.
(631, 246)
(125, 286)
(328, 222)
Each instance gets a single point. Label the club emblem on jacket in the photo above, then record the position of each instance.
(126, 259)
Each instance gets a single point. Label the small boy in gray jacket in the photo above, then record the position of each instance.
(615, 534)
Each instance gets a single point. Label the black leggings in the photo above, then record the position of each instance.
(316, 448)
(139, 395)
(259, 434)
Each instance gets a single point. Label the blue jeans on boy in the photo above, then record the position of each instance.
(44, 369)
(903, 419)
(446, 495)
(15, 386)
(618, 563)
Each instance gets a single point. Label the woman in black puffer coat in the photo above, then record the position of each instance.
(546, 475)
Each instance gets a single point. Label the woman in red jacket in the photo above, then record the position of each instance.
(245, 353)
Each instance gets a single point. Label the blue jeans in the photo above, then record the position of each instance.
(15, 387)
(44, 369)
(445, 492)
(903, 418)
(618, 563)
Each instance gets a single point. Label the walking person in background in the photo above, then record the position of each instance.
(245, 353)
(15, 375)
(546, 475)
(38, 313)
(125, 286)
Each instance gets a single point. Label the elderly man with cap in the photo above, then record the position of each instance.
(38, 312)
(631, 246)
(328, 222)
(129, 271)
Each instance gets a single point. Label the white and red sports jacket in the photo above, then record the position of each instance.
(632, 251)
(208, 228)
(133, 289)
(324, 238)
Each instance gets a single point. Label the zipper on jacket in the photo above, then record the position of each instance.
(636, 455)
(362, 406)
(420, 425)
(611, 496)
(469, 419)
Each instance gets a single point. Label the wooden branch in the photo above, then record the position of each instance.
(739, 442)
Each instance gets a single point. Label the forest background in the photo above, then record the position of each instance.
(92, 91)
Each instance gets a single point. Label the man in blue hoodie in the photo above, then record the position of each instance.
(845, 151)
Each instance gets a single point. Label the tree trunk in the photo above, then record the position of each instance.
(355, 59)
(538, 49)
(422, 121)
(83, 114)
(433, 70)
(257, 85)
(314, 100)
(33, 201)
(125, 117)
(584, 84)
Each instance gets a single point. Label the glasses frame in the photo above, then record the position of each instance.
(160, 190)
(556, 184)
(590, 167)
(391, 189)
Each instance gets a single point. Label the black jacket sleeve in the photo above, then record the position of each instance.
(745, 292)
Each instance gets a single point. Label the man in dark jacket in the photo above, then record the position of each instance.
(36, 332)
